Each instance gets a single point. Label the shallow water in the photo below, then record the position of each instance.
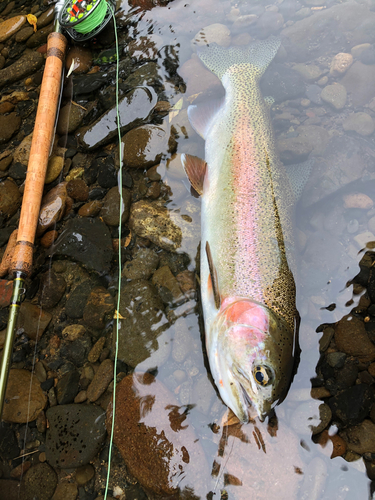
(225, 460)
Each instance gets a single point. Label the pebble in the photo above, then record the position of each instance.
(46, 18)
(70, 118)
(24, 399)
(81, 397)
(358, 200)
(340, 64)
(86, 425)
(351, 338)
(335, 95)
(78, 190)
(362, 123)
(76, 301)
(10, 27)
(152, 221)
(33, 320)
(27, 64)
(214, 33)
(52, 208)
(49, 238)
(310, 138)
(144, 146)
(99, 308)
(167, 285)
(9, 125)
(40, 482)
(82, 59)
(6, 291)
(145, 262)
(176, 458)
(110, 211)
(96, 350)
(67, 387)
(352, 405)
(356, 81)
(336, 359)
(22, 151)
(91, 209)
(10, 198)
(52, 288)
(86, 241)
(309, 72)
(84, 474)
(65, 491)
(101, 380)
(55, 166)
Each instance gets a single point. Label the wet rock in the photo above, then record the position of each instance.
(340, 64)
(10, 27)
(40, 37)
(149, 423)
(49, 238)
(84, 474)
(18, 172)
(361, 438)
(87, 241)
(9, 488)
(356, 82)
(8, 443)
(96, 350)
(65, 491)
(67, 387)
(198, 78)
(152, 221)
(90, 209)
(27, 64)
(214, 33)
(24, 399)
(351, 338)
(73, 332)
(144, 263)
(52, 208)
(70, 118)
(75, 435)
(5, 162)
(10, 198)
(22, 152)
(46, 17)
(76, 301)
(101, 380)
(52, 288)
(40, 482)
(82, 59)
(99, 308)
(134, 108)
(336, 359)
(55, 165)
(358, 200)
(6, 290)
(78, 190)
(77, 351)
(33, 320)
(352, 405)
(309, 72)
(268, 23)
(362, 123)
(147, 74)
(167, 285)
(311, 138)
(110, 212)
(144, 146)
(142, 318)
(335, 95)
(145, 48)
(9, 125)
(282, 83)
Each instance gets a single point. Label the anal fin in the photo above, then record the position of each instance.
(213, 275)
(195, 169)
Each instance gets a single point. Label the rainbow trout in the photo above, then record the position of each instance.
(247, 284)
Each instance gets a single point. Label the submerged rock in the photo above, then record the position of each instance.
(134, 109)
(87, 241)
(39, 482)
(52, 208)
(24, 399)
(10, 198)
(27, 64)
(362, 123)
(110, 211)
(351, 337)
(75, 435)
(10, 27)
(150, 428)
(357, 81)
(33, 320)
(9, 125)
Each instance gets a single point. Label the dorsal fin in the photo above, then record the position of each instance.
(213, 274)
(202, 115)
(195, 169)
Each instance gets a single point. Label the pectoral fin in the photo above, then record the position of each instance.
(201, 116)
(195, 169)
(213, 276)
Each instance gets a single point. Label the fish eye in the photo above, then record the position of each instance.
(262, 375)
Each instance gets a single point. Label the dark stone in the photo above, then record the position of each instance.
(347, 375)
(76, 302)
(87, 241)
(77, 351)
(67, 387)
(85, 84)
(99, 308)
(39, 483)
(282, 83)
(75, 435)
(313, 93)
(48, 384)
(368, 55)
(3, 318)
(91, 173)
(352, 405)
(97, 194)
(52, 288)
(5, 233)
(107, 173)
(40, 37)
(8, 443)
(18, 171)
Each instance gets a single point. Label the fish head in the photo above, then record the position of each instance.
(251, 358)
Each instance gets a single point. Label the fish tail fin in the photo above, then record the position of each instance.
(258, 55)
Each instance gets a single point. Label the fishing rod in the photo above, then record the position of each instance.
(81, 19)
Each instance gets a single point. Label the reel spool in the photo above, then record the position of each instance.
(84, 19)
